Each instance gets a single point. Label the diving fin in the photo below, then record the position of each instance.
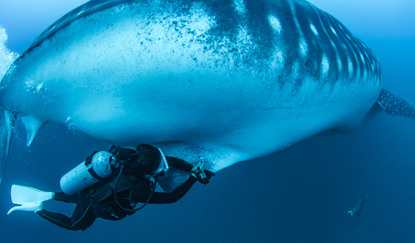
(29, 198)
(30, 207)
(25, 194)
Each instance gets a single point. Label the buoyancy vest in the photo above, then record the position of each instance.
(102, 194)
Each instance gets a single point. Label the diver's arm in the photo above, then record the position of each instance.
(164, 198)
(179, 164)
(196, 174)
(197, 170)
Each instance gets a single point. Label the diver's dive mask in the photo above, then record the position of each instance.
(163, 167)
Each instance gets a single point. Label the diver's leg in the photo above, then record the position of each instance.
(62, 197)
(82, 217)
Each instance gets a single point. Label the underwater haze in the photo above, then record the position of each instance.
(301, 195)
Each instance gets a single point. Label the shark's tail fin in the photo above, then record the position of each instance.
(351, 213)
(6, 127)
(396, 105)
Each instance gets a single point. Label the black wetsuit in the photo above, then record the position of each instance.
(87, 211)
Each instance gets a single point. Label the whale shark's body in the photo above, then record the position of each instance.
(224, 80)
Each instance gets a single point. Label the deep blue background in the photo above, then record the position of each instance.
(298, 196)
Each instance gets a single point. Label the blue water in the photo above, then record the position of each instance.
(298, 196)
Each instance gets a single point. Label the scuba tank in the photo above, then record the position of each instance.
(97, 167)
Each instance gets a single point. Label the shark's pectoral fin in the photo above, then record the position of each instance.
(6, 129)
(396, 105)
(33, 125)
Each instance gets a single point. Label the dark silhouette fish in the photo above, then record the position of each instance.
(358, 206)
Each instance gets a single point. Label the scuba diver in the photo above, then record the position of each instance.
(108, 185)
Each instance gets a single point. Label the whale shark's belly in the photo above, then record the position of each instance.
(240, 79)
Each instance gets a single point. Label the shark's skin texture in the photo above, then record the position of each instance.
(222, 81)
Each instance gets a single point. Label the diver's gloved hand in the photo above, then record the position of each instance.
(202, 175)
(30, 207)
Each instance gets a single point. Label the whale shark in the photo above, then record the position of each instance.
(222, 81)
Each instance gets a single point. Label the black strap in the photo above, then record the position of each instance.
(95, 175)
(88, 159)
(113, 148)
(153, 188)
(91, 171)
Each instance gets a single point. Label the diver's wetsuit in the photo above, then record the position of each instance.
(85, 212)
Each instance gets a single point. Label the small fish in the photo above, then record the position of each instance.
(358, 206)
